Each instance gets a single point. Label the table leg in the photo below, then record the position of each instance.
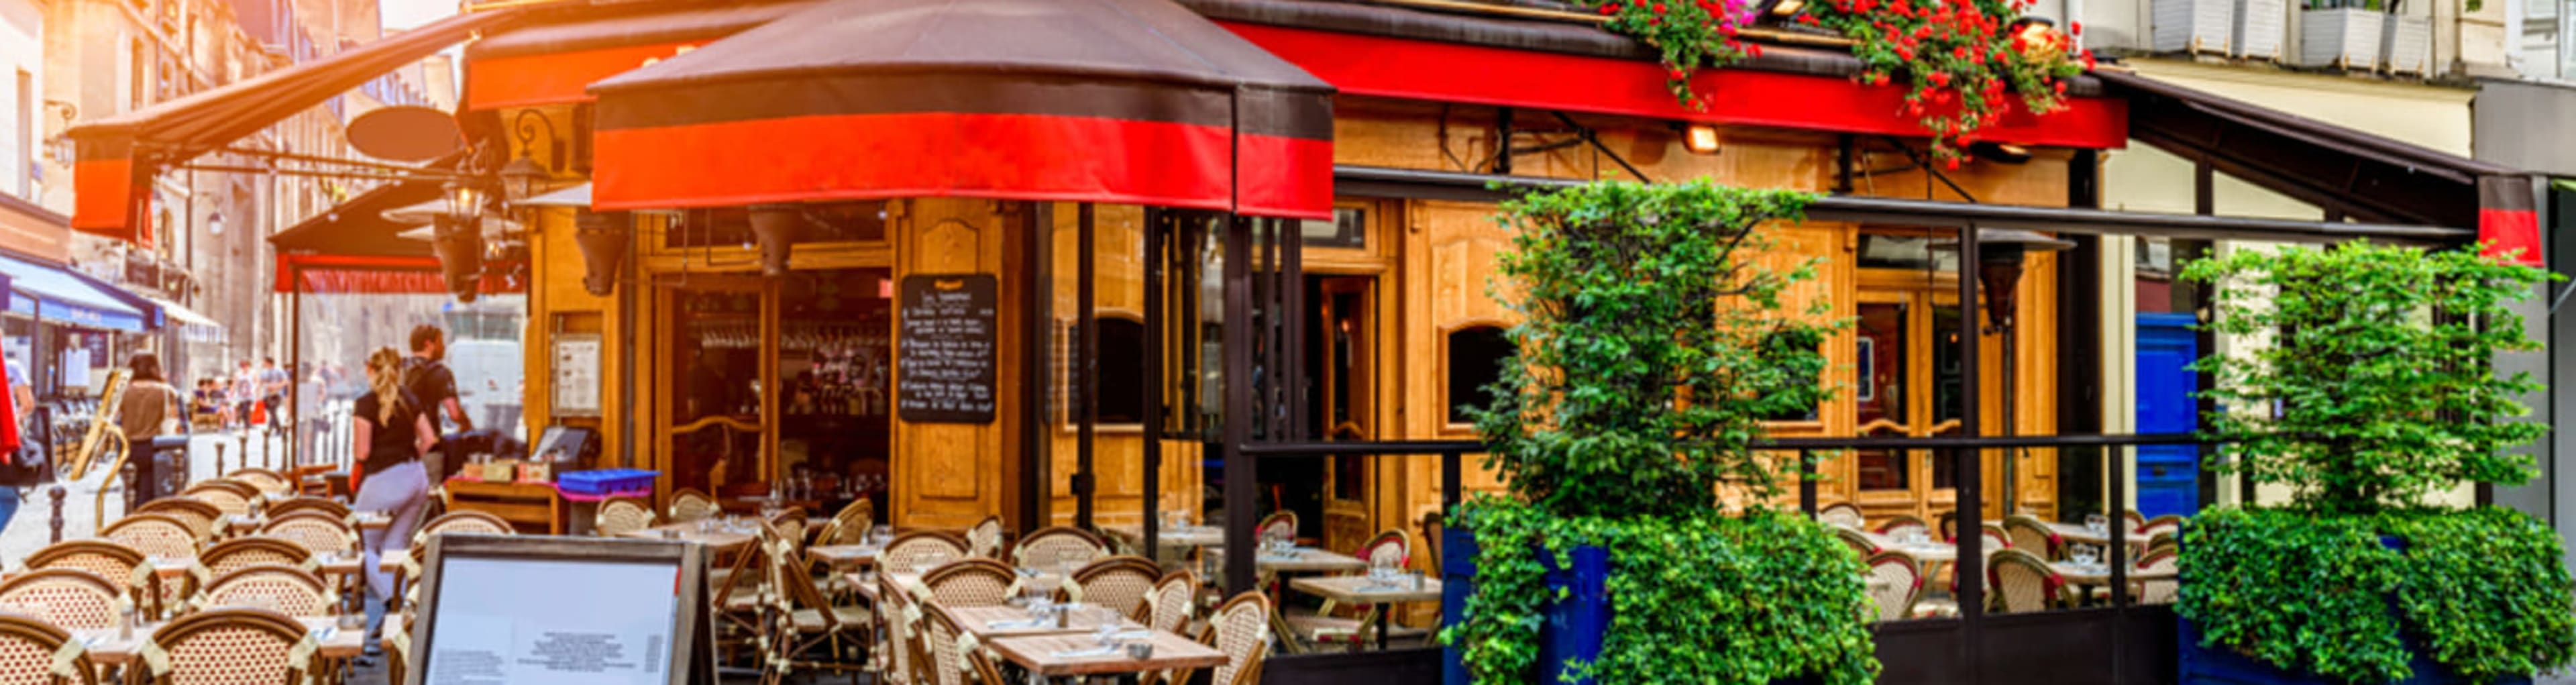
(1376, 618)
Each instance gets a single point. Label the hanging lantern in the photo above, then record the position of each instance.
(459, 243)
(774, 227)
(602, 238)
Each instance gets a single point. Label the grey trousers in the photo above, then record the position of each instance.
(402, 492)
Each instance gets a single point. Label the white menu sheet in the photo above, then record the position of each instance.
(502, 621)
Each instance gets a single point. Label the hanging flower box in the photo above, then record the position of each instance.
(2261, 28)
(2406, 45)
(2340, 37)
(2195, 26)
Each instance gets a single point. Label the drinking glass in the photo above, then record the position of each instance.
(2084, 555)
(2096, 523)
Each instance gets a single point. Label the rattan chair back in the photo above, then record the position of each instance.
(232, 646)
(1172, 603)
(1120, 583)
(1392, 546)
(284, 589)
(939, 642)
(1898, 525)
(916, 552)
(27, 648)
(1241, 629)
(1058, 548)
(466, 522)
(689, 504)
(2029, 535)
(2168, 523)
(1280, 524)
(622, 515)
(268, 483)
(971, 582)
(2023, 582)
(2161, 591)
(232, 496)
(317, 531)
(203, 519)
(158, 535)
(239, 553)
(1896, 583)
(1843, 514)
(1854, 539)
(291, 505)
(66, 597)
(850, 526)
(107, 559)
(985, 538)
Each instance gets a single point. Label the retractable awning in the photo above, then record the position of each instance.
(192, 325)
(117, 156)
(2351, 174)
(53, 293)
(1124, 101)
(552, 60)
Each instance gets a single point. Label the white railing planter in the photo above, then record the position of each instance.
(2262, 26)
(2195, 26)
(2342, 37)
(2406, 45)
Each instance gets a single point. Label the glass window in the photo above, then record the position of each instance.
(1121, 355)
(1348, 228)
(1880, 392)
(1476, 357)
(1913, 252)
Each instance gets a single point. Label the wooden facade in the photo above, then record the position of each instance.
(1416, 278)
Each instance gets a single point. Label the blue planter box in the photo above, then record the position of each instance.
(1573, 628)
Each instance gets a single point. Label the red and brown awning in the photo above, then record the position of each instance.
(552, 60)
(1121, 101)
(117, 156)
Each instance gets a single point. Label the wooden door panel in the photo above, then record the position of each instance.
(952, 475)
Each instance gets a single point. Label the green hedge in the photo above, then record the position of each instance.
(2483, 590)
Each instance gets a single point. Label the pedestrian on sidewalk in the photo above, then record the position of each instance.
(150, 409)
(426, 375)
(16, 470)
(243, 390)
(392, 431)
(272, 392)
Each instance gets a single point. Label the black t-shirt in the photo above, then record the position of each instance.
(432, 384)
(393, 440)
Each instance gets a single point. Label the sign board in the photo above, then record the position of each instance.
(576, 374)
(945, 355)
(498, 609)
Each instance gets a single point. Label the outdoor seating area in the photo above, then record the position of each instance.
(2038, 565)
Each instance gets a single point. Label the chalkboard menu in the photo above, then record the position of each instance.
(944, 352)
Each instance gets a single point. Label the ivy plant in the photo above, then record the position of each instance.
(2366, 390)
(2368, 386)
(1643, 375)
(1655, 338)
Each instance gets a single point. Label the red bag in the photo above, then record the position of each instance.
(259, 413)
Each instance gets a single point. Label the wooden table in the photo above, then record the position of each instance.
(1359, 591)
(2100, 574)
(1937, 552)
(719, 540)
(845, 556)
(1181, 538)
(110, 650)
(1303, 560)
(980, 621)
(867, 586)
(1040, 655)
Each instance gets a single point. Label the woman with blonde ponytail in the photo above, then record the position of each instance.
(392, 432)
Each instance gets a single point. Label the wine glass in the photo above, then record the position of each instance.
(2084, 555)
(2097, 523)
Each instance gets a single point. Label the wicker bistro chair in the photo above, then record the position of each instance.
(466, 523)
(1897, 584)
(66, 597)
(284, 589)
(850, 526)
(1843, 514)
(2030, 535)
(971, 582)
(622, 515)
(1898, 525)
(269, 483)
(688, 504)
(1858, 542)
(1241, 629)
(233, 646)
(158, 535)
(239, 553)
(2155, 591)
(290, 505)
(1393, 546)
(1280, 524)
(2023, 582)
(790, 522)
(985, 538)
(318, 532)
(1058, 546)
(890, 656)
(203, 519)
(34, 652)
(1171, 606)
(805, 619)
(2168, 523)
(1120, 583)
(953, 656)
(916, 552)
(232, 496)
(105, 559)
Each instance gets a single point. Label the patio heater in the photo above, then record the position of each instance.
(2001, 255)
(458, 240)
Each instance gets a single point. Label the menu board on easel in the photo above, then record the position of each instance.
(945, 353)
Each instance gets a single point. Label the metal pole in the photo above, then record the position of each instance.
(294, 382)
(56, 494)
(1086, 365)
(1970, 469)
(1156, 222)
(1241, 473)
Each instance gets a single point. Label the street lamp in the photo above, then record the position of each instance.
(522, 178)
(457, 237)
(2000, 257)
(215, 223)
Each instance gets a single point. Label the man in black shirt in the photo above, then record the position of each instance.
(425, 374)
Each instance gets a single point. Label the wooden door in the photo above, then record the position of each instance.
(1907, 383)
(1340, 334)
(711, 424)
(951, 475)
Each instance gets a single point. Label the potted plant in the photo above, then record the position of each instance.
(2195, 26)
(2343, 34)
(2406, 42)
(1654, 340)
(2367, 395)
(2261, 27)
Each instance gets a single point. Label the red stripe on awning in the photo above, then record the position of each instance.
(108, 200)
(2508, 223)
(1452, 72)
(348, 274)
(558, 78)
(938, 154)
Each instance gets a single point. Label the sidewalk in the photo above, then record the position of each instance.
(30, 530)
